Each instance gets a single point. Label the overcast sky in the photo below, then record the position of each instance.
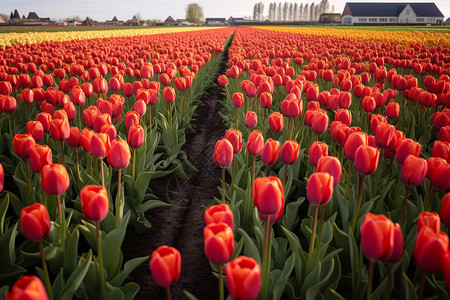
(102, 10)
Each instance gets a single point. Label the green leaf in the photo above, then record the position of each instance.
(7, 247)
(3, 209)
(409, 291)
(250, 248)
(76, 278)
(128, 268)
(291, 216)
(141, 185)
(237, 249)
(130, 290)
(189, 295)
(71, 251)
(283, 279)
(111, 247)
(314, 290)
(151, 204)
(294, 242)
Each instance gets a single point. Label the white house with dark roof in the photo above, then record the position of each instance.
(359, 13)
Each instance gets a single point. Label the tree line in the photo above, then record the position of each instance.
(289, 12)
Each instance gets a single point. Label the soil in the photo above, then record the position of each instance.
(181, 225)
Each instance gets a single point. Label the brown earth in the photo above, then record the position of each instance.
(181, 225)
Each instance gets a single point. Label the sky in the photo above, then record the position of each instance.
(102, 10)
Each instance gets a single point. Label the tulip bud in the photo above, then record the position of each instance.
(317, 150)
(243, 276)
(268, 195)
(383, 135)
(269, 154)
(54, 179)
(392, 110)
(430, 250)
(405, 148)
(94, 202)
(44, 118)
(440, 178)
(354, 141)
(319, 188)
(429, 219)
(289, 152)
(445, 210)
(169, 94)
(219, 242)
(238, 99)
(377, 237)
(223, 153)
(397, 251)
(331, 165)
(27, 287)
(36, 130)
(40, 155)
(223, 80)
(35, 222)
(23, 144)
(251, 119)
(119, 154)
(59, 129)
(366, 159)
(219, 214)
(132, 118)
(165, 265)
(234, 136)
(136, 136)
(414, 170)
(276, 122)
(255, 143)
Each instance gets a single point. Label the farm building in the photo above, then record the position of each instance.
(215, 22)
(358, 13)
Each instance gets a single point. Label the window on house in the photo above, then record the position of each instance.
(383, 19)
(408, 11)
(420, 20)
(372, 19)
(430, 20)
(392, 19)
(362, 19)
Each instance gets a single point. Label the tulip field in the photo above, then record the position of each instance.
(229, 163)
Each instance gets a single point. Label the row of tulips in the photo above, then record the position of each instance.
(79, 128)
(351, 89)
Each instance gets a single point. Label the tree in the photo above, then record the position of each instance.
(194, 13)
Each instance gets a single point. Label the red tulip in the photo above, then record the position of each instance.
(276, 122)
(366, 159)
(392, 110)
(268, 195)
(223, 153)
(234, 136)
(251, 119)
(238, 99)
(219, 242)
(85, 139)
(319, 188)
(368, 104)
(140, 107)
(430, 250)
(23, 144)
(132, 118)
(292, 107)
(317, 150)
(94, 202)
(440, 178)
(5, 88)
(40, 155)
(136, 136)
(165, 265)
(444, 133)
(414, 170)
(36, 130)
(45, 119)
(2, 177)
(441, 149)
(331, 165)
(169, 94)
(243, 276)
(35, 222)
(397, 251)
(219, 214)
(29, 288)
(60, 129)
(255, 143)
(445, 210)
(54, 179)
(377, 237)
(265, 99)
(74, 137)
(223, 80)
(429, 219)
(100, 120)
(383, 135)
(405, 148)
(344, 116)
(354, 141)
(269, 153)
(100, 145)
(119, 154)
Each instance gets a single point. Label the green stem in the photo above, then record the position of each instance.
(150, 120)
(48, 285)
(313, 236)
(223, 185)
(389, 282)
(349, 179)
(99, 253)
(170, 114)
(266, 259)
(237, 117)
(102, 175)
(221, 282)
(78, 164)
(61, 222)
(266, 169)
(358, 204)
(403, 214)
(430, 199)
(319, 239)
(119, 212)
(369, 284)
(285, 174)
(253, 170)
(291, 125)
(62, 152)
(168, 295)
(30, 189)
(90, 165)
(134, 163)
(10, 127)
(422, 285)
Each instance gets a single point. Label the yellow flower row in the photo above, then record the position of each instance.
(8, 39)
(401, 37)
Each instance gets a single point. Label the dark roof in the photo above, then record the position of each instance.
(33, 15)
(231, 19)
(392, 9)
(215, 20)
(169, 19)
(114, 19)
(426, 10)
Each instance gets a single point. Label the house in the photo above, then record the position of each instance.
(2, 21)
(133, 22)
(330, 18)
(359, 13)
(171, 22)
(234, 21)
(215, 22)
(447, 22)
(114, 22)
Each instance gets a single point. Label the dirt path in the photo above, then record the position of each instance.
(181, 225)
